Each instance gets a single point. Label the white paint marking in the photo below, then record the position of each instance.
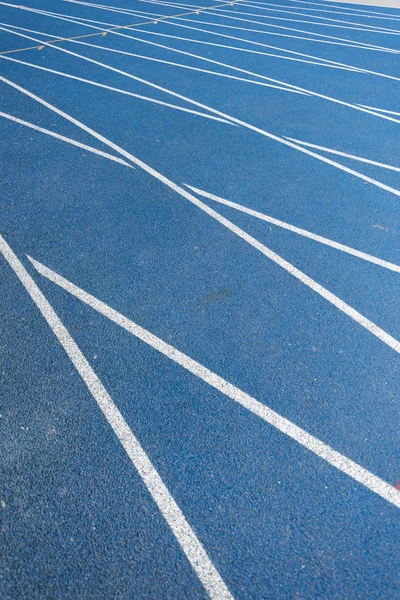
(223, 115)
(352, 156)
(228, 11)
(353, 44)
(190, 544)
(316, 287)
(298, 230)
(270, 25)
(380, 110)
(293, 90)
(120, 91)
(66, 139)
(334, 458)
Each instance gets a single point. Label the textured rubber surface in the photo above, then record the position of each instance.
(288, 107)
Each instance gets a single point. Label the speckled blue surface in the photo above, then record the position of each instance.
(276, 520)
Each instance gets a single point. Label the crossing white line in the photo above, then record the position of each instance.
(352, 156)
(186, 537)
(175, 64)
(331, 456)
(381, 110)
(357, 12)
(377, 331)
(66, 139)
(270, 25)
(120, 91)
(341, 24)
(352, 44)
(233, 119)
(298, 230)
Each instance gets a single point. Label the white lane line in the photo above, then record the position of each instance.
(334, 458)
(270, 25)
(120, 91)
(328, 40)
(317, 60)
(229, 11)
(352, 44)
(174, 64)
(66, 139)
(339, 11)
(186, 537)
(338, 153)
(380, 110)
(293, 9)
(223, 115)
(385, 337)
(298, 230)
(182, 66)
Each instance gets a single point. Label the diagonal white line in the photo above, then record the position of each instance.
(345, 154)
(334, 458)
(385, 337)
(221, 114)
(190, 544)
(351, 44)
(389, 112)
(340, 25)
(65, 139)
(118, 90)
(298, 230)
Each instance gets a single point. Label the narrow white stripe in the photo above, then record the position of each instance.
(353, 44)
(316, 287)
(293, 9)
(339, 10)
(120, 91)
(191, 546)
(300, 231)
(220, 114)
(66, 139)
(380, 110)
(352, 156)
(341, 24)
(293, 90)
(225, 16)
(301, 436)
(328, 40)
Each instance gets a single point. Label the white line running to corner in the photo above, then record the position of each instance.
(186, 537)
(377, 331)
(305, 439)
(66, 139)
(300, 231)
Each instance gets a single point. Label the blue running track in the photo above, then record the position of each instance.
(200, 300)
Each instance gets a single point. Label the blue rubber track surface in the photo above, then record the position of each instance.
(227, 178)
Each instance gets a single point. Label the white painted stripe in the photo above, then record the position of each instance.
(233, 119)
(327, 40)
(352, 156)
(175, 64)
(317, 60)
(298, 230)
(353, 44)
(357, 12)
(225, 16)
(334, 458)
(340, 23)
(316, 287)
(190, 544)
(380, 110)
(182, 66)
(120, 91)
(293, 90)
(66, 139)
